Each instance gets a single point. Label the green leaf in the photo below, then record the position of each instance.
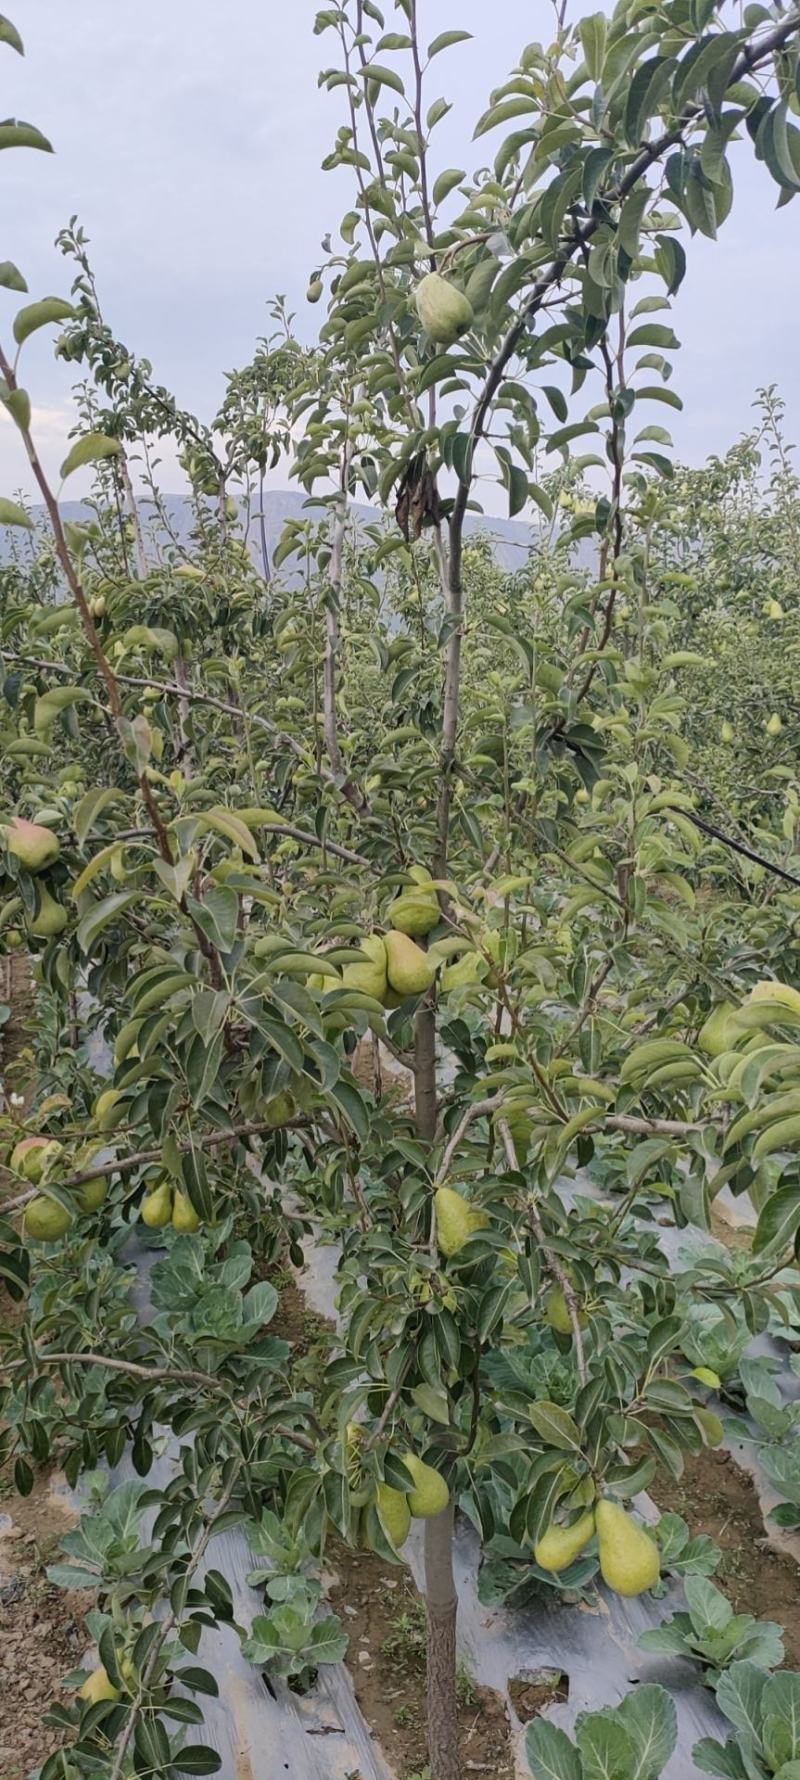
(196, 1758)
(91, 805)
(445, 39)
(654, 333)
(385, 77)
(555, 1426)
(10, 277)
(93, 923)
(91, 449)
(551, 1755)
(778, 1222)
(446, 183)
(39, 315)
(500, 114)
(11, 514)
(593, 31)
(353, 1108)
(605, 1748)
(10, 35)
(15, 134)
(649, 1717)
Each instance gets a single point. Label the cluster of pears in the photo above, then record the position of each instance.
(164, 1203)
(629, 1558)
(428, 1496)
(36, 848)
(45, 1218)
(395, 966)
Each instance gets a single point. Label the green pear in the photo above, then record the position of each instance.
(93, 1193)
(35, 847)
(108, 1109)
(280, 1110)
(456, 1220)
(774, 725)
(184, 1216)
(32, 1155)
(45, 1220)
(768, 991)
(50, 918)
(413, 913)
(430, 1494)
(445, 312)
(727, 732)
(629, 1558)
(156, 1206)
(559, 1546)
(410, 971)
(556, 1311)
(394, 1514)
(370, 977)
(98, 1687)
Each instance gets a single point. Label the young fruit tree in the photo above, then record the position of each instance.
(274, 824)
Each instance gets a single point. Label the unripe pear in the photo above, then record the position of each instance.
(50, 918)
(430, 1494)
(108, 1109)
(32, 1155)
(370, 977)
(13, 939)
(184, 1216)
(445, 312)
(556, 1311)
(280, 1110)
(156, 1206)
(45, 1220)
(456, 1220)
(467, 971)
(727, 732)
(769, 991)
(629, 1558)
(559, 1546)
(33, 846)
(409, 970)
(720, 1032)
(93, 1194)
(98, 1687)
(394, 1513)
(774, 725)
(413, 913)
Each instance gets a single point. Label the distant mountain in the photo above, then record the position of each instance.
(511, 539)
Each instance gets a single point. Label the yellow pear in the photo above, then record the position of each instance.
(410, 971)
(456, 1220)
(35, 847)
(430, 1494)
(280, 1110)
(394, 1513)
(445, 312)
(156, 1206)
(559, 1546)
(50, 918)
(370, 977)
(32, 1155)
(98, 1687)
(184, 1216)
(45, 1220)
(629, 1558)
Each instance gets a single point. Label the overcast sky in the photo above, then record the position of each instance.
(188, 139)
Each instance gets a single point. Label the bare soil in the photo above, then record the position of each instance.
(385, 1618)
(715, 1496)
(42, 1633)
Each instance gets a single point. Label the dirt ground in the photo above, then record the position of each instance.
(42, 1632)
(718, 1498)
(385, 1618)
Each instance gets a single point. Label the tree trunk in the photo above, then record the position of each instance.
(442, 1606)
(440, 1592)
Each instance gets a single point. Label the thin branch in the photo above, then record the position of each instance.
(476, 1111)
